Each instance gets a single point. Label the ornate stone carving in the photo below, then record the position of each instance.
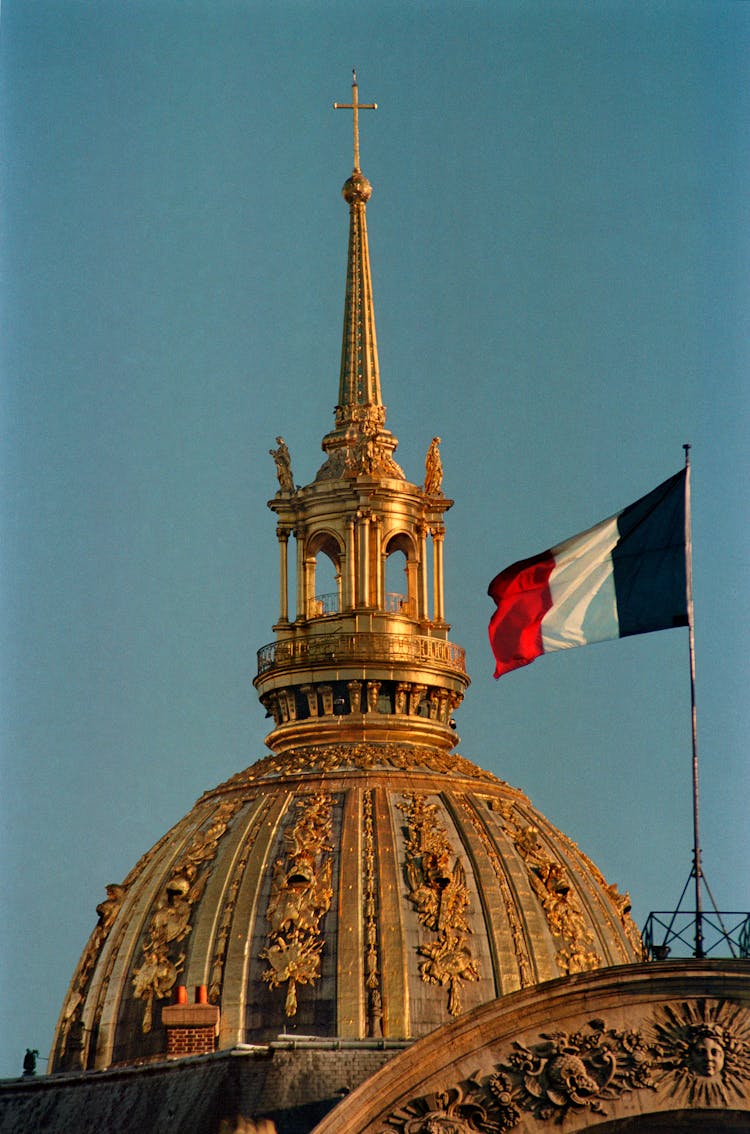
(283, 465)
(704, 1052)
(697, 1053)
(566, 1073)
(438, 890)
(300, 897)
(444, 1112)
(160, 966)
(365, 757)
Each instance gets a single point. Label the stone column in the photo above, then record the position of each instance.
(283, 537)
(363, 597)
(301, 595)
(438, 536)
(350, 579)
(377, 562)
(422, 599)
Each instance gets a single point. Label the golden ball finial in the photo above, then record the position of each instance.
(357, 188)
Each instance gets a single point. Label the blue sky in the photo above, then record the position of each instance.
(561, 259)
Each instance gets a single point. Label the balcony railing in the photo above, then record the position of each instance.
(330, 603)
(327, 649)
(322, 605)
(673, 933)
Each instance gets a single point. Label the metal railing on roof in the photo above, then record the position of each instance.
(672, 933)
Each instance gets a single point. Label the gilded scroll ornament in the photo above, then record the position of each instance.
(562, 908)
(362, 453)
(72, 1028)
(300, 897)
(439, 892)
(161, 963)
(621, 902)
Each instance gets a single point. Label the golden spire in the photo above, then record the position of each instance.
(359, 442)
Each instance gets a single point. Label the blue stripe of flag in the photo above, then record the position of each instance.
(649, 561)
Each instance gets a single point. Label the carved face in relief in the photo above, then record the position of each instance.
(706, 1053)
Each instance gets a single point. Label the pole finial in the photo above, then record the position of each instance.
(355, 105)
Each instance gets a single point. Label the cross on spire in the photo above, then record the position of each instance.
(355, 105)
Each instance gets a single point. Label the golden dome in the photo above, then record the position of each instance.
(364, 882)
(340, 891)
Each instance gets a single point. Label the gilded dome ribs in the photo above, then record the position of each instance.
(557, 896)
(221, 943)
(519, 953)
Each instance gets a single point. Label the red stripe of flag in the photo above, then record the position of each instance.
(523, 598)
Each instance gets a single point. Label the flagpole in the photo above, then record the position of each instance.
(697, 867)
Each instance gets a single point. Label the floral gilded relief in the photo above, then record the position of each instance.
(551, 883)
(437, 887)
(301, 893)
(162, 960)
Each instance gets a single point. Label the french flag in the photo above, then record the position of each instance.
(626, 575)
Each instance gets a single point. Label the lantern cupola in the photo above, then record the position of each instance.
(365, 658)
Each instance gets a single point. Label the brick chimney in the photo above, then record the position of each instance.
(192, 1029)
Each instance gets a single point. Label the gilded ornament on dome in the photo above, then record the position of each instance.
(437, 887)
(300, 897)
(372, 968)
(559, 901)
(362, 757)
(621, 902)
(159, 968)
(222, 934)
(520, 945)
